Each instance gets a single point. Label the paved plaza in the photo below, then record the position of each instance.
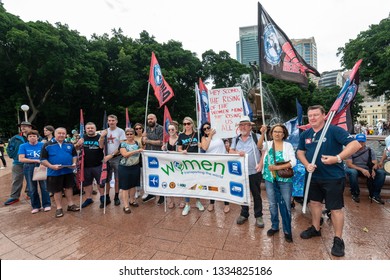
(150, 233)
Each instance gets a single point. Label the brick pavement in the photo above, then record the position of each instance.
(149, 233)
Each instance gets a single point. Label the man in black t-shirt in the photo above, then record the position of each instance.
(93, 157)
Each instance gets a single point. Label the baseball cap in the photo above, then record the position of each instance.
(361, 137)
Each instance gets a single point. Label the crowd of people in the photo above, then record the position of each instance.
(117, 153)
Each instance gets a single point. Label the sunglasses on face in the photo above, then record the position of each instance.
(138, 128)
(206, 128)
(129, 134)
(187, 123)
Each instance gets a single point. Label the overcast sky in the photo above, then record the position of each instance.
(212, 24)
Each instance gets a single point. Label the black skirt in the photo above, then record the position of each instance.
(129, 176)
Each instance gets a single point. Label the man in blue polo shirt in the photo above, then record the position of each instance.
(60, 158)
(328, 179)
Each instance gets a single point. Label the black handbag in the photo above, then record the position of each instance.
(283, 173)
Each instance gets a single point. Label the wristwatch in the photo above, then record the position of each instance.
(339, 160)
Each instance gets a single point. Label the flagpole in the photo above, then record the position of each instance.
(197, 112)
(313, 161)
(146, 106)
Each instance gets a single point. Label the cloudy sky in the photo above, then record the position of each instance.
(212, 24)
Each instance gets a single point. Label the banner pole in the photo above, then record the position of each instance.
(146, 106)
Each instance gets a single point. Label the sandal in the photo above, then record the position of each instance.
(171, 205)
(126, 210)
(226, 209)
(134, 204)
(210, 208)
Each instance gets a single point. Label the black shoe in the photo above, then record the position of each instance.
(148, 198)
(160, 200)
(310, 232)
(356, 198)
(271, 231)
(338, 247)
(117, 201)
(378, 200)
(108, 201)
(288, 237)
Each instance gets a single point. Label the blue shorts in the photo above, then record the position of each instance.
(332, 191)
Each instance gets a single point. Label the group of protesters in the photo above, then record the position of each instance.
(117, 152)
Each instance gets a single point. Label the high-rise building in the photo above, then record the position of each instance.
(307, 49)
(247, 47)
(331, 78)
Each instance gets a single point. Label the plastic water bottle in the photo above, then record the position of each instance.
(112, 182)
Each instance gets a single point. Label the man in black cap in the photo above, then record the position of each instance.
(17, 166)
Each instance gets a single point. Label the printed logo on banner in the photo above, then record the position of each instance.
(153, 162)
(236, 189)
(235, 168)
(154, 181)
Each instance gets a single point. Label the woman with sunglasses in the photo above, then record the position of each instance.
(188, 142)
(212, 144)
(171, 145)
(139, 129)
(129, 169)
(278, 189)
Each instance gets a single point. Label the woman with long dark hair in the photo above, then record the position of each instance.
(212, 144)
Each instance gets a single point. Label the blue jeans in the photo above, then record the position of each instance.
(379, 180)
(28, 170)
(275, 204)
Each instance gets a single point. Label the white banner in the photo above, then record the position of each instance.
(210, 176)
(226, 110)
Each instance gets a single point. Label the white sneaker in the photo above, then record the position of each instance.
(144, 195)
(199, 205)
(186, 210)
(2, 167)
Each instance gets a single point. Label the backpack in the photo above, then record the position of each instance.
(13, 146)
(254, 136)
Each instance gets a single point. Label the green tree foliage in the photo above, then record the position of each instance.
(222, 69)
(373, 46)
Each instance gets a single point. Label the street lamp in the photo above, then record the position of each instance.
(25, 108)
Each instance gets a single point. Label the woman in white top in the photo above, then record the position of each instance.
(212, 144)
(278, 189)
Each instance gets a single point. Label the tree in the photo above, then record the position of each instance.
(222, 69)
(373, 46)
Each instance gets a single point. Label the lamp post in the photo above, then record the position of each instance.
(25, 108)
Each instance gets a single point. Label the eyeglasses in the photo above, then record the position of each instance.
(187, 123)
(138, 128)
(127, 134)
(278, 132)
(206, 128)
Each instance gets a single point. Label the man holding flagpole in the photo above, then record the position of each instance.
(328, 175)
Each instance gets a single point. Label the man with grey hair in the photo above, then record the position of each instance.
(60, 158)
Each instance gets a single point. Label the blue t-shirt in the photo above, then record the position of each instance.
(332, 145)
(58, 154)
(31, 151)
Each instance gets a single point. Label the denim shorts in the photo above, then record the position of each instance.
(332, 191)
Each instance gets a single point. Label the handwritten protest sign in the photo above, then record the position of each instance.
(225, 110)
